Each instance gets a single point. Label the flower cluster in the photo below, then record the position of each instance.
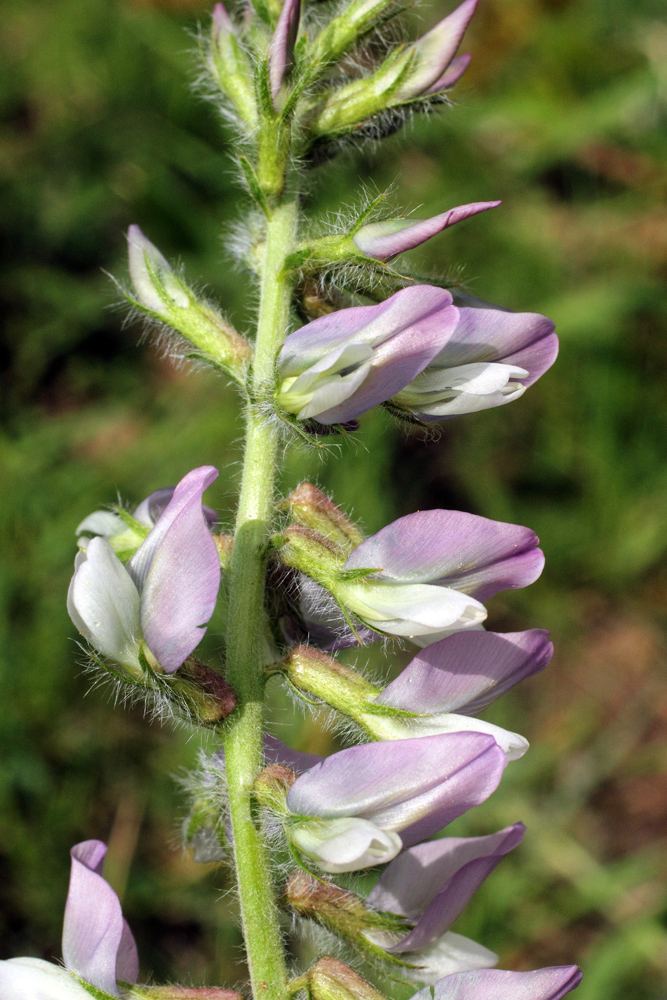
(304, 584)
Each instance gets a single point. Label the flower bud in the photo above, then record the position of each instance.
(313, 509)
(281, 49)
(337, 909)
(331, 979)
(163, 295)
(230, 66)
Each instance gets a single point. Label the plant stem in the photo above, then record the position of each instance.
(243, 734)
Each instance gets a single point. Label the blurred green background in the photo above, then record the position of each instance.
(562, 115)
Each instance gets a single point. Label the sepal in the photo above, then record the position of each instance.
(271, 787)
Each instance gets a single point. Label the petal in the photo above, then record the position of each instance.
(281, 49)
(346, 844)
(410, 883)
(472, 554)
(153, 278)
(449, 954)
(93, 926)
(526, 340)
(34, 979)
(395, 363)
(412, 609)
(496, 984)
(103, 603)
(452, 74)
(410, 785)
(466, 671)
(127, 959)
(432, 883)
(435, 51)
(394, 236)
(153, 507)
(177, 570)
(513, 744)
(101, 522)
(418, 306)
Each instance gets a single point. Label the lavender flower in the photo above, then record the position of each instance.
(422, 576)
(430, 885)
(344, 363)
(454, 679)
(393, 236)
(496, 984)
(160, 602)
(359, 807)
(491, 359)
(98, 946)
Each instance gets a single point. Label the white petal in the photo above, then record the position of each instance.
(34, 979)
(514, 745)
(450, 953)
(412, 609)
(102, 522)
(345, 845)
(103, 603)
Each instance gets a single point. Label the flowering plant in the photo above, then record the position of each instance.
(302, 585)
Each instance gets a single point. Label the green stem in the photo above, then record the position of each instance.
(245, 636)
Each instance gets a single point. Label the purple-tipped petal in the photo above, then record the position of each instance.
(432, 883)
(94, 926)
(394, 236)
(177, 571)
(466, 671)
(413, 786)
(436, 50)
(472, 554)
(418, 306)
(496, 984)
(281, 49)
(222, 22)
(452, 74)
(526, 340)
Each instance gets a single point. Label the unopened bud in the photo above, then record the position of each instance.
(161, 293)
(331, 979)
(202, 693)
(317, 674)
(272, 785)
(337, 909)
(313, 509)
(180, 993)
(311, 553)
(230, 65)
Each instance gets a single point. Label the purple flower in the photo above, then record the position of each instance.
(281, 49)
(98, 946)
(453, 679)
(491, 359)
(359, 807)
(496, 984)
(393, 236)
(346, 362)
(429, 571)
(97, 943)
(430, 885)
(161, 601)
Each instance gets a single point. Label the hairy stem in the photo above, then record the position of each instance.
(245, 636)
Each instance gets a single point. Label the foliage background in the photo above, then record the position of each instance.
(561, 115)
